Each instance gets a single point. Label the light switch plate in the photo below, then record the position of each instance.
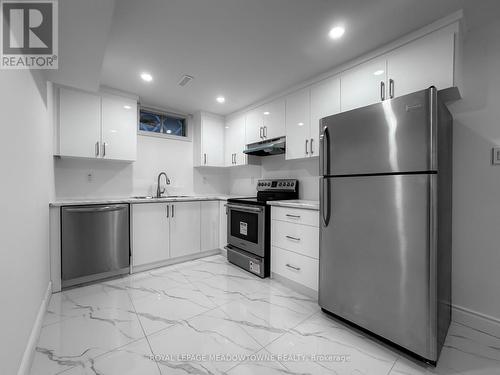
(496, 155)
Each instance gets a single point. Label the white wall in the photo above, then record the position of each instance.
(117, 179)
(243, 180)
(25, 190)
(476, 205)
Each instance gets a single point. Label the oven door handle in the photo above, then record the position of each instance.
(243, 208)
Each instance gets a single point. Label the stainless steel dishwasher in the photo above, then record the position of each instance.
(95, 243)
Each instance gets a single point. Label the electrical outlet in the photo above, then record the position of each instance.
(495, 157)
(90, 177)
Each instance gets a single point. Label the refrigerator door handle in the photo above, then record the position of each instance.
(325, 197)
(325, 151)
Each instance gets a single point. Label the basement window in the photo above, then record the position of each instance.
(162, 124)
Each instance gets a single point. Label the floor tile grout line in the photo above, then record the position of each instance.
(393, 365)
(144, 332)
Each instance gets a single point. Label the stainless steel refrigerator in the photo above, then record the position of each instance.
(385, 243)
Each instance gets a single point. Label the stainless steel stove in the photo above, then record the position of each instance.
(249, 225)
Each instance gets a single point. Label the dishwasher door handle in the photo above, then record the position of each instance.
(96, 209)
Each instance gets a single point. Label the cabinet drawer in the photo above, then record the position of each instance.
(295, 267)
(296, 215)
(302, 239)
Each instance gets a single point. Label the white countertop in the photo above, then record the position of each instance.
(90, 201)
(296, 203)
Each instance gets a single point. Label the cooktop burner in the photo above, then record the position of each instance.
(271, 190)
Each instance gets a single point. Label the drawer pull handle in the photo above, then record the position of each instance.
(293, 238)
(294, 216)
(293, 267)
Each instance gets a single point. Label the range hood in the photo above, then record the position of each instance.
(268, 147)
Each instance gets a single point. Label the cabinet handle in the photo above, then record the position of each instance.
(294, 216)
(382, 91)
(391, 88)
(103, 149)
(97, 148)
(311, 146)
(168, 211)
(307, 142)
(292, 267)
(293, 238)
(265, 131)
(173, 212)
(261, 132)
(205, 159)
(234, 158)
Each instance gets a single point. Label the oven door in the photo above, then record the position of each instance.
(246, 227)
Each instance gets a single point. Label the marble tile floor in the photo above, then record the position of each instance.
(209, 317)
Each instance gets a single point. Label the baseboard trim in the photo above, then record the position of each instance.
(295, 286)
(476, 320)
(169, 262)
(29, 352)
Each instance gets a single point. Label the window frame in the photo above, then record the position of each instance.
(187, 138)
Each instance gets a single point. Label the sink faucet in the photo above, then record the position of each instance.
(159, 190)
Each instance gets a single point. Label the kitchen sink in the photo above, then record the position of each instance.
(164, 197)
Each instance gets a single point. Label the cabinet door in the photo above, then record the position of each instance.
(234, 141)
(254, 123)
(297, 124)
(79, 123)
(150, 233)
(210, 221)
(274, 119)
(119, 128)
(212, 134)
(428, 61)
(325, 101)
(364, 85)
(222, 224)
(184, 228)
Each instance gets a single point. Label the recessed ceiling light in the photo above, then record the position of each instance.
(227, 127)
(146, 77)
(127, 107)
(300, 124)
(220, 99)
(336, 32)
(267, 113)
(378, 72)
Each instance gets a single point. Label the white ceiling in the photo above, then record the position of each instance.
(245, 50)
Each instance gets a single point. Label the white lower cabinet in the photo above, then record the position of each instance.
(300, 269)
(163, 231)
(184, 229)
(222, 224)
(209, 225)
(295, 245)
(150, 233)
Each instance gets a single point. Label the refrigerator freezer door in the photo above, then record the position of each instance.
(376, 255)
(394, 136)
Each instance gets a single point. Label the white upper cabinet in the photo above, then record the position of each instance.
(298, 124)
(273, 119)
(91, 125)
(234, 141)
(184, 229)
(79, 125)
(210, 222)
(266, 122)
(325, 101)
(208, 140)
(364, 85)
(119, 128)
(428, 61)
(254, 126)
